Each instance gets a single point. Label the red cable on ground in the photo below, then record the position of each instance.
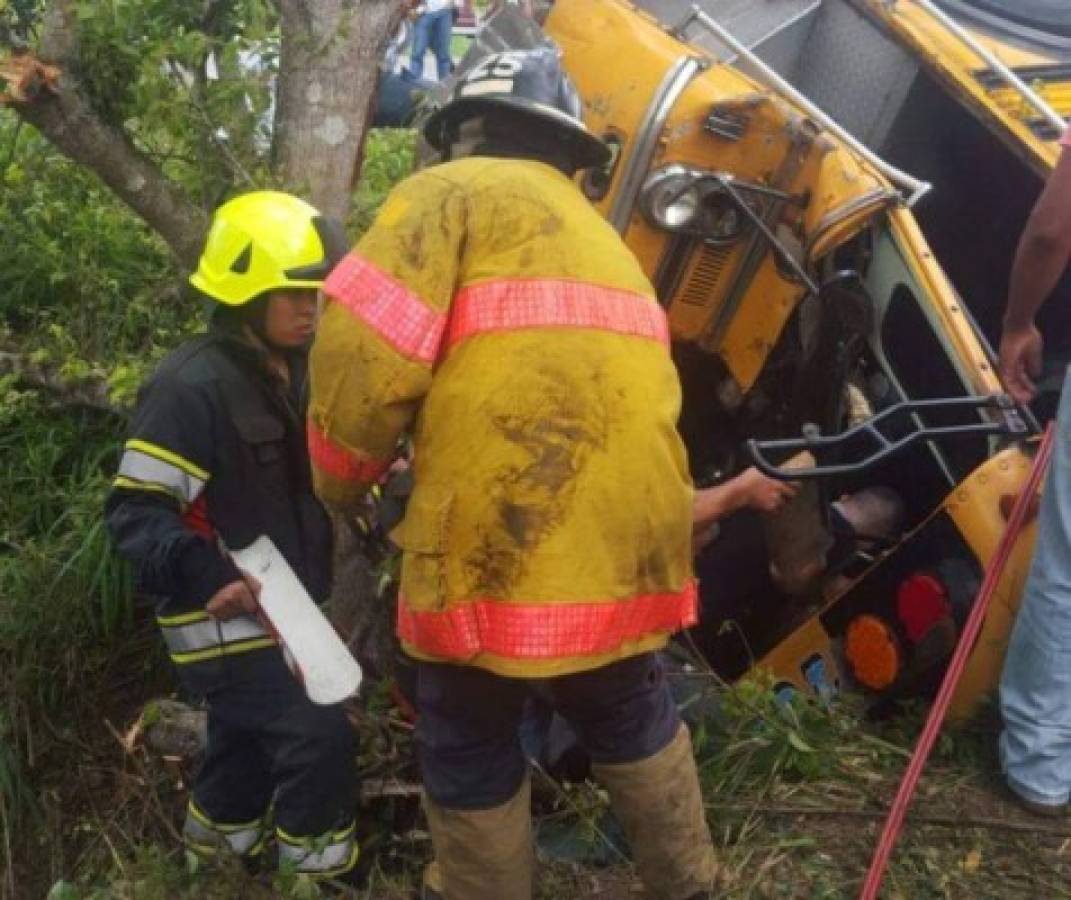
(993, 573)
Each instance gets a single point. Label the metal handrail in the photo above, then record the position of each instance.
(898, 177)
(990, 59)
(1008, 422)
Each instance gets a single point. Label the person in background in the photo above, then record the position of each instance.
(494, 315)
(399, 92)
(1035, 687)
(217, 456)
(433, 26)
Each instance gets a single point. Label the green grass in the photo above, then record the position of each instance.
(65, 599)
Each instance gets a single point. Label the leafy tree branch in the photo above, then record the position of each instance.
(65, 116)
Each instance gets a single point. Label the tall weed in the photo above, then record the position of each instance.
(65, 600)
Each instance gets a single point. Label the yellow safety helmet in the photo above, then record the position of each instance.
(263, 241)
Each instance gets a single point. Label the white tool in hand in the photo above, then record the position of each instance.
(325, 666)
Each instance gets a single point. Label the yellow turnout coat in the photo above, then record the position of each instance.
(491, 312)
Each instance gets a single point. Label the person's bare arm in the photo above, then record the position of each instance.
(1041, 258)
(748, 489)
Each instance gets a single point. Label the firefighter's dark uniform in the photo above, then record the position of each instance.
(217, 453)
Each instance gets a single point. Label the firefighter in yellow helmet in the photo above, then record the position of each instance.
(495, 317)
(217, 455)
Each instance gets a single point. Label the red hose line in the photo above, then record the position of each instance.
(928, 737)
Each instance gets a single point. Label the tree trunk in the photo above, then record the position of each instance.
(328, 75)
(329, 71)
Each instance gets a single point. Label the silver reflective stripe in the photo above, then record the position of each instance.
(197, 636)
(204, 837)
(308, 856)
(151, 470)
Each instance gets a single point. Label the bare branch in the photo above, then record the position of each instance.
(27, 78)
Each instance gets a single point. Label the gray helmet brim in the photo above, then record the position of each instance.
(587, 150)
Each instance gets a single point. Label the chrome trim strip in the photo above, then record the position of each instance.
(665, 97)
(878, 198)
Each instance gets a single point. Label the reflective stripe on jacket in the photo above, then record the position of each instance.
(196, 636)
(495, 314)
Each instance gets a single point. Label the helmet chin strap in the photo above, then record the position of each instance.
(510, 135)
(466, 140)
(254, 319)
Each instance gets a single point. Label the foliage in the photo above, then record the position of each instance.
(88, 292)
(84, 284)
(389, 155)
(65, 599)
(794, 739)
(191, 83)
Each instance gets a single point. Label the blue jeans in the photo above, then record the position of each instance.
(1035, 687)
(397, 99)
(468, 720)
(432, 30)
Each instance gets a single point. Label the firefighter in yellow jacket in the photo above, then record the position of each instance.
(495, 317)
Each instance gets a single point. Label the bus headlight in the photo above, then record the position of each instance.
(692, 201)
(670, 199)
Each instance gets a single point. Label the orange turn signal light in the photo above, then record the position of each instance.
(872, 651)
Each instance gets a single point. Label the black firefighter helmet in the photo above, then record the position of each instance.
(528, 81)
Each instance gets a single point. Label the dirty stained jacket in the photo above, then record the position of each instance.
(495, 316)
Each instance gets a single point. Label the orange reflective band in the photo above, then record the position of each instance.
(544, 630)
(340, 463)
(554, 303)
(387, 306)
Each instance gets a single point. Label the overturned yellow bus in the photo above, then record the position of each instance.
(808, 313)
